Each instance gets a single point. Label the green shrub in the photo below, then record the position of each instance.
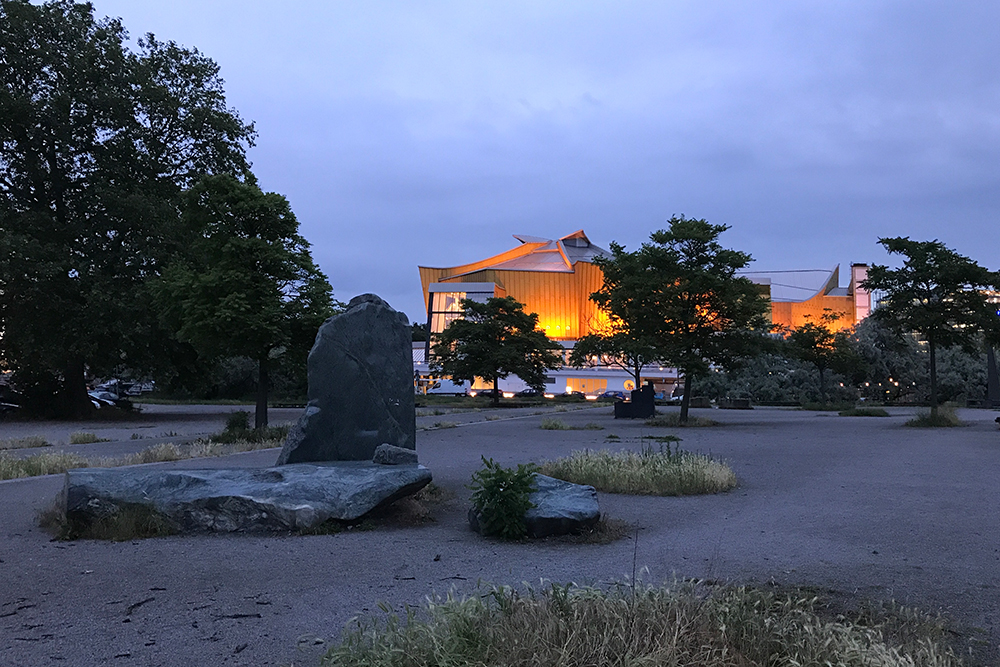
(501, 497)
(238, 430)
(238, 421)
(827, 407)
(690, 625)
(666, 472)
(551, 424)
(864, 412)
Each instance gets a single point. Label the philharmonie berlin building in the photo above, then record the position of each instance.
(555, 278)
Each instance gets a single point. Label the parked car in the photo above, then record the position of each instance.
(612, 396)
(529, 392)
(486, 393)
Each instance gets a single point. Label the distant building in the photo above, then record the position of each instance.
(555, 278)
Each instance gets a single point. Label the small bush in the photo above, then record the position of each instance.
(689, 625)
(551, 424)
(84, 438)
(667, 472)
(673, 420)
(445, 424)
(24, 443)
(501, 497)
(944, 417)
(864, 412)
(238, 421)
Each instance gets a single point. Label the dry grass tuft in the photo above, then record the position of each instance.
(686, 625)
(550, 424)
(864, 412)
(944, 418)
(84, 438)
(673, 419)
(660, 473)
(25, 443)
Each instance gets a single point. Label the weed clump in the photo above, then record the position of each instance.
(689, 624)
(669, 471)
(238, 430)
(864, 412)
(84, 438)
(501, 498)
(945, 417)
(673, 420)
(551, 424)
(27, 442)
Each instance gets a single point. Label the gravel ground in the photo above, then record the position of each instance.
(858, 507)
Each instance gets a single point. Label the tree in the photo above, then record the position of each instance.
(246, 285)
(937, 294)
(494, 340)
(617, 349)
(816, 344)
(96, 144)
(680, 292)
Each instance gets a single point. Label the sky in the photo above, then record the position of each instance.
(428, 133)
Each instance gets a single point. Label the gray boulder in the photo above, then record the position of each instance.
(390, 455)
(561, 508)
(290, 497)
(360, 387)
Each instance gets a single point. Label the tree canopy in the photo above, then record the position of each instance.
(817, 344)
(246, 285)
(494, 340)
(680, 294)
(96, 144)
(937, 294)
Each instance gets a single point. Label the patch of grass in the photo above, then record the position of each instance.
(238, 430)
(611, 437)
(445, 424)
(944, 418)
(673, 420)
(667, 472)
(127, 522)
(592, 427)
(27, 442)
(52, 463)
(84, 438)
(827, 407)
(686, 624)
(864, 412)
(550, 424)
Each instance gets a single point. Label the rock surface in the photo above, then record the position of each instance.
(390, 455)
(360, 387)
(561, 508)
(290, 497)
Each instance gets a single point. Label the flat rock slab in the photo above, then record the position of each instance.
(289, 497)
(561, 508)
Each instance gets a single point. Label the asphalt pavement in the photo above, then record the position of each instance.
(862, 508)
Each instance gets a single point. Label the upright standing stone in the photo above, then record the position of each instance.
(360, 387)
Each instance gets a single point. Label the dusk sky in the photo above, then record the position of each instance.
(428, 133)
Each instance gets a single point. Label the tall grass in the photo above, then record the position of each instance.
(84, 438)
(27, 442)
(689, 626)
(52, 463)
(667, 472)
(945, 417)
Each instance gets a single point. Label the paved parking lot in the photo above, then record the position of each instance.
(859, 506)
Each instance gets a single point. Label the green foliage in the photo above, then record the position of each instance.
(552, 424)
(238, 429)
(673, 419)
(246, 284)
(937, 294)
(494, 340)
(816, 344)
(501, 497)
(84, 438)
(679, 295)
(96, 144)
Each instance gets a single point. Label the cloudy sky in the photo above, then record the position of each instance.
(408, 133)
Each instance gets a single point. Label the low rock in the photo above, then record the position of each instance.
(390, 455)
(561, 508)
(289, 497)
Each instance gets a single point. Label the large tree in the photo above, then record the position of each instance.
(246, 285)
(616, 346)
(680, 293)
(96, 144)
(494, 340)
(937, 294)
(818, 344)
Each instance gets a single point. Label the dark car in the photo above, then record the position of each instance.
(528, 392)
(488, 393)
(612, 396)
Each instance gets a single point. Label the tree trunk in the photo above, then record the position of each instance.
(496, 392)
(260, 414)
(75, 401)
(637, 374)
(686, 399)
(934, 403)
